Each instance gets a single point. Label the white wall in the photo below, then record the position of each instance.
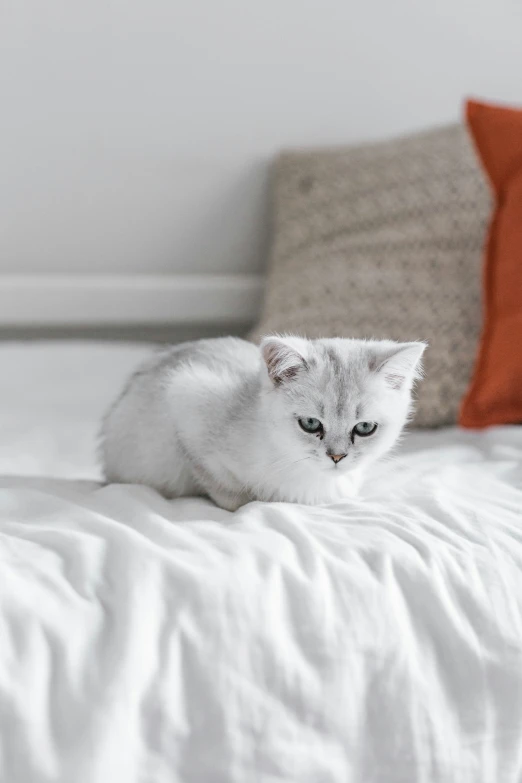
(135, 134)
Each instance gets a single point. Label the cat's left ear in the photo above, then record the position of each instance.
(284, 357)
(400, 364)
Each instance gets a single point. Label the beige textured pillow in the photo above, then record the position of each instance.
(384, 241)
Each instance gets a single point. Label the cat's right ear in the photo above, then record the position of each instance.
(284, 358)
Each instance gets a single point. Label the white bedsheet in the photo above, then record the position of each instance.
(145, 640)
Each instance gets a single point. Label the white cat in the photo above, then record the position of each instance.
(295, 420)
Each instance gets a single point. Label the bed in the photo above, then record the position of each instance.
(376, 640)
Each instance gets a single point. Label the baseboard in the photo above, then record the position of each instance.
(83, 300)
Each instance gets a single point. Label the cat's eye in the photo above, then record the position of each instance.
(310, 425)
(364, 428)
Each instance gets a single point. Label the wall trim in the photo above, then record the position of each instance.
(55, 300)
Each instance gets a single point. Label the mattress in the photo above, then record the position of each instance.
(376, 640)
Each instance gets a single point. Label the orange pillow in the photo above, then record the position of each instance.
(495, 393)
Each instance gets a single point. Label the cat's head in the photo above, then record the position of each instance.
(339, 403)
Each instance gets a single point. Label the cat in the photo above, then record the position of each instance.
(293, 420)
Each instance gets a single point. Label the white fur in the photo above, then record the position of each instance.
(220, 417)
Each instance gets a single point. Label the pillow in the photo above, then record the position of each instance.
(495, 393)
(384, 241)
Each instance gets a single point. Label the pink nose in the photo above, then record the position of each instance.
(337, 457)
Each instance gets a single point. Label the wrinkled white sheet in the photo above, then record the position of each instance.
(377, 640)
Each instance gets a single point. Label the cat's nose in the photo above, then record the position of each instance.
(337, 457)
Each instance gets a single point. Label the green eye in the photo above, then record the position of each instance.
(310, 425)
(364, 428)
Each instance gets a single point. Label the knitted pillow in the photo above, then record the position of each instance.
(384, 241)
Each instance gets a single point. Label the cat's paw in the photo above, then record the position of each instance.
(227, 500)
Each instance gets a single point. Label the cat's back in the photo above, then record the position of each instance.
(190, 371)
(219, 358)
(212, 376)
(188, 390)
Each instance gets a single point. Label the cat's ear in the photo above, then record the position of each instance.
(284, 358)
(400, 364)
